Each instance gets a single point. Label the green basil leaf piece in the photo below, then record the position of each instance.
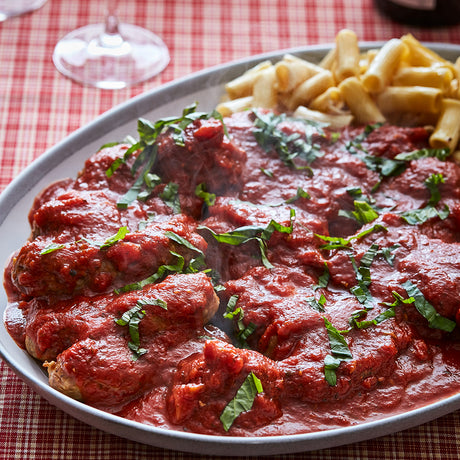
(337, 342)
(235, 313)
(335, 242)
(440, 154)
(435, 320)
(420, 216)
(120, 235)
(51, 248)
(290, 147)
(243, 400)
(330, 366)
(132, 318)
(339, 352)
(364, 213)
(148, 146)
(170, 196)
(323, 279)
(317, 304)
(256, 233)
(208, 198)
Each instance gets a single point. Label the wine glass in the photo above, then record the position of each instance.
(112, 55)
(11, 8)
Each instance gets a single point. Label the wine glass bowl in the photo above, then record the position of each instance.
(110, 55)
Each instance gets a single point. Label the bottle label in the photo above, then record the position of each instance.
(427, 5)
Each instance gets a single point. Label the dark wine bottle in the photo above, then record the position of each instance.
(425, 13)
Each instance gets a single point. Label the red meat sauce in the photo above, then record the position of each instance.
(280, 287)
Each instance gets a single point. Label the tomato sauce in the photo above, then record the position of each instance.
(316, 271)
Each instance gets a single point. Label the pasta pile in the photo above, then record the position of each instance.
(403, 82)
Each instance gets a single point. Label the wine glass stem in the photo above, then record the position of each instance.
(111, 19)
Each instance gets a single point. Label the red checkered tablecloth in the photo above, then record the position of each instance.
(39, 107)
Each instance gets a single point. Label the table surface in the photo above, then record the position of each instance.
(39, 107)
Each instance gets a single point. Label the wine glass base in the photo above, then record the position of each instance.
(9, 9)
(92, 57)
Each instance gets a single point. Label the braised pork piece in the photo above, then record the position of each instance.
(331, 255)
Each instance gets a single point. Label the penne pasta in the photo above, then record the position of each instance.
(420, 55)
(403, 82)
(383, 66)
(456, 156)
(292, 71)
(227, 108)
(264, 90)
(243, 85)
(331, 101)
(447, 131)
(347, 55)
(335, 121)
(329, 59)
(436, 77)
(416, 99)
(457, 67)
(310, 89)
(361, 105)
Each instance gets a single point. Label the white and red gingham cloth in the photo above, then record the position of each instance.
(39, 107)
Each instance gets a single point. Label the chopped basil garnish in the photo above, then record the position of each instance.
(389, 313)
(440, 154)
(243, 400)
(323, 280)
(419, 216)
(161, 273)
(383, 166)
(337, 342)
(330, 366)
(257, 233)
(435, 320)
(362, 293)
(147, 148)
(150, 182)
(301, 193)
(237, 314)
(339, 352)
(386, 167)
(140, 187)
(182, 241)
(355, 145)
(364, 213)
(111, 144)
(120, 235)
(363, 274)
(196, 264)
(170, 196)
(144, 223)
(355, 192)
(399, 299)
(208, 198)
(132, 318)
(388, 255)
(110, 241)
(155, 302)
(432, 183)
(51, 248)
(288, 146)
(337, 242)
(317, 304)
(267, 172)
